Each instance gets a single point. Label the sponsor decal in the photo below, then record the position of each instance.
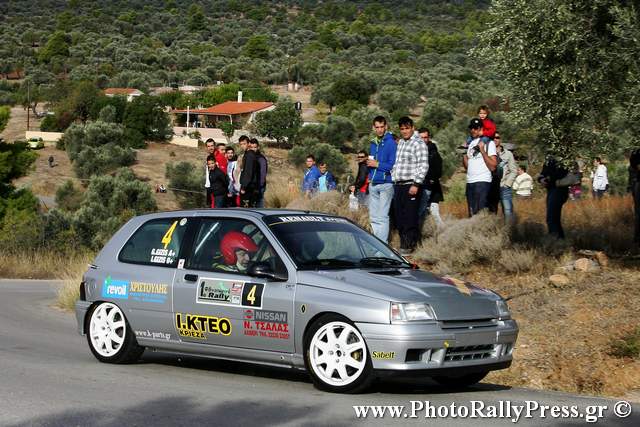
(266, 324)
(162, 256)
(229, 292)
(115, 288)
(136, 291)
(181, 264)
(153, 335)
(310, 218)
(386, 355)
(199, 326)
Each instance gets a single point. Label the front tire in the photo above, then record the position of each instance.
(336, 356)
(109, 335)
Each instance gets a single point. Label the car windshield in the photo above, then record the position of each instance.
(317, 242)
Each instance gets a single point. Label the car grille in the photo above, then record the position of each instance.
(469, 352)
(469, 324)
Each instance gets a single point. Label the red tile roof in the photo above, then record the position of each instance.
(230, 108)
(120, 91)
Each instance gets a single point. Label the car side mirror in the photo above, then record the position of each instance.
(264, 271)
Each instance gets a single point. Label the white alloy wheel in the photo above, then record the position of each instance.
(337, 353)
(107, 329)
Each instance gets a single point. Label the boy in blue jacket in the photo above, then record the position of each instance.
(311, 175)
(382, 157)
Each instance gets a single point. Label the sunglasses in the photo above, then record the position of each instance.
(361, 157)
(496, 137)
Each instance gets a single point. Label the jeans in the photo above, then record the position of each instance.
(406, 207)
(220, 201)
(380, 197)
(506, 198)
(478, 196)
(363, 198)
(636, 207)
(423, 209)
(556, 197)
(260, 198)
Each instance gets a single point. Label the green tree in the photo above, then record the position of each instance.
(566, 64)
(282, 123)
(195, 18)
(57, 46)
(437, 114)
(68, 197)
(109, 202)
(257, 47)
(5, 114)
(339, 130)
(146, 115)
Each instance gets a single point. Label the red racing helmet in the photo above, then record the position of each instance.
(233, 241)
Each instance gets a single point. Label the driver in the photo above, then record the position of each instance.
(237, 248)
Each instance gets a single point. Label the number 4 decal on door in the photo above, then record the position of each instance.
(252, 294)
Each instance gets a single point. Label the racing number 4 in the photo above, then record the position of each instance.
(252, 294)
(166, 239)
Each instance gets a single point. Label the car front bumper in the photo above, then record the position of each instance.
(413, 347)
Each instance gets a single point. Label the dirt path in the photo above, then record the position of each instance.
(18, 124)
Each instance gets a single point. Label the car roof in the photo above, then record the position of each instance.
(240, 212)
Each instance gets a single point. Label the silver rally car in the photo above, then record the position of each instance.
(287, 288)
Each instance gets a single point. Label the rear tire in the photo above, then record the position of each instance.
(336, 356)
(109, 335)
(462, 381)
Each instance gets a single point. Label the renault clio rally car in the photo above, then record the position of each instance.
(287, 288)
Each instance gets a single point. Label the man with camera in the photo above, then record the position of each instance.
(479, 161)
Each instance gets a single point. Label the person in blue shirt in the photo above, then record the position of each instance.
(382, 157)
(311, 175)
(326, 181)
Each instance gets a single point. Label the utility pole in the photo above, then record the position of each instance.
(28, 102)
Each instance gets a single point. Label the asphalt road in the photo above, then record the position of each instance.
(48, 377)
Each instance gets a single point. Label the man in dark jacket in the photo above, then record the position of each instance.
(254, 145)
(634, 184)
(362, 178)
(431, 190)
(249, 180)
(219, 183)
(552, 172)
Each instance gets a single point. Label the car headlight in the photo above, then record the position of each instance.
(503, 310)
(407, 312)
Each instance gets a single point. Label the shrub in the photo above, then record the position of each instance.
(437, 114)
(133, 138)
(462, 243)
(101, 160)
(5, 113)
(109, 202)
(68, 197)
(339, 131)
(21, 229)
(517, 260)
(336, 162)
(628, 345)
(58, 232)
(187, 176)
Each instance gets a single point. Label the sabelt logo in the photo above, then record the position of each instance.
(383, 355)
(196, 325)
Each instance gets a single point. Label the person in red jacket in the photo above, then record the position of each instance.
(221, 158)
(488, 125)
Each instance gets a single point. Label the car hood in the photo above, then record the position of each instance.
(451, 299)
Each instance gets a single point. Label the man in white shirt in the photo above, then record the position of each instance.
(600, 179)
(479, 161)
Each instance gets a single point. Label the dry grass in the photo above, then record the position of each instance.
(41, 264)
(70, 291)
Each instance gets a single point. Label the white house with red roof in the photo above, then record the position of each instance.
(130, 93)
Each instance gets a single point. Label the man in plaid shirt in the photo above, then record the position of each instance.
(408, 174)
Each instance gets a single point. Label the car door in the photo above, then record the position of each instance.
(217, 302)
(141, 279)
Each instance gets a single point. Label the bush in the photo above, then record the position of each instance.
(5, 113)
(50, 124)
(186, 176)
(628, 345)
(339, 131)
(462, 243)
(362, 118)
(68, 197)
(109, 202)
(58, 232)
(437, 114)
(101, 160)
(133, 138)
(20, 230)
